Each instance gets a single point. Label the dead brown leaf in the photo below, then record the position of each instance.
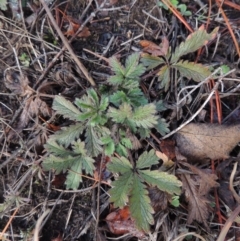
(197, 187)
(154, 49)
(120, 222)
(18, 84)
(197, 204)
(199, 142)
(207, 179)
(168, 148)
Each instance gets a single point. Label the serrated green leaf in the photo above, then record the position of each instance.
(121, 165)
(120, 115)
(144, 133)
(93, 95)
(116, 79)
(54, 148)
(65, 107)
(109, 148)
(118, 98)
(160, 106)
(140, 205)
(136, 97)
(79, 147)
(120, 190)
(121, 150)
(195, 41)
(74, 176)
(109, 145)
(164, 77)
(57, 163)
(133, 70)
(103, 104)
(68, 134)
(116, 66)
(162, 126)
(162, 180)
(88, 164)
(147, 159)
(151, 61)
(3, 5)
(93, 142)
(191, 70)
(126, 142)
(144, 116)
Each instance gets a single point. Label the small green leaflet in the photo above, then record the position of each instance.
(74, 176)
(147, 159)
(65, 107)
(120, 189)
(116, 66)
(140, 205)
(133, 69)
(162, 180)
(3, 5)
(144, 116)
(162, 126)
(68, 134)
(191, 70)
(130, 186)
(194, 41)
(93, 142)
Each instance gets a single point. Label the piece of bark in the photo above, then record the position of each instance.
(201, 142)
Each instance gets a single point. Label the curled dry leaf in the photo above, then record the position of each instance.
(120, 222)
(200, 142)
(196, 188)
(154, 49)
(18, 84)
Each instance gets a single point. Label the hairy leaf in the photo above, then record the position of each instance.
(191, 70)
(54, 148)
(121, 165)
(147, 159)
(118, 98)
(126, 142)
(116, 79)
(164, 77)
(133, 70)
(57, 163)
(136, 97)
(160, 106)
(120, 115)
(120, 189)
(109, 145)
(162, 126)
(140, 205)
(93, 142)
(151, 61)
(65, 107)
(68, 134)
(144, 116)
(74, 176)
(196, 40)
(164, 181)
(116, 66)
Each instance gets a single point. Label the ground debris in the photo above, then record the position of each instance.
(199, 142)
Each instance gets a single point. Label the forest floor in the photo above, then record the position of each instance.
(65, 48)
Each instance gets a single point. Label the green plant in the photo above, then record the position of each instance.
(3, 5)
(109, 122)
(175, 3)
(172, 60)
(25, 60)
(130, 186)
